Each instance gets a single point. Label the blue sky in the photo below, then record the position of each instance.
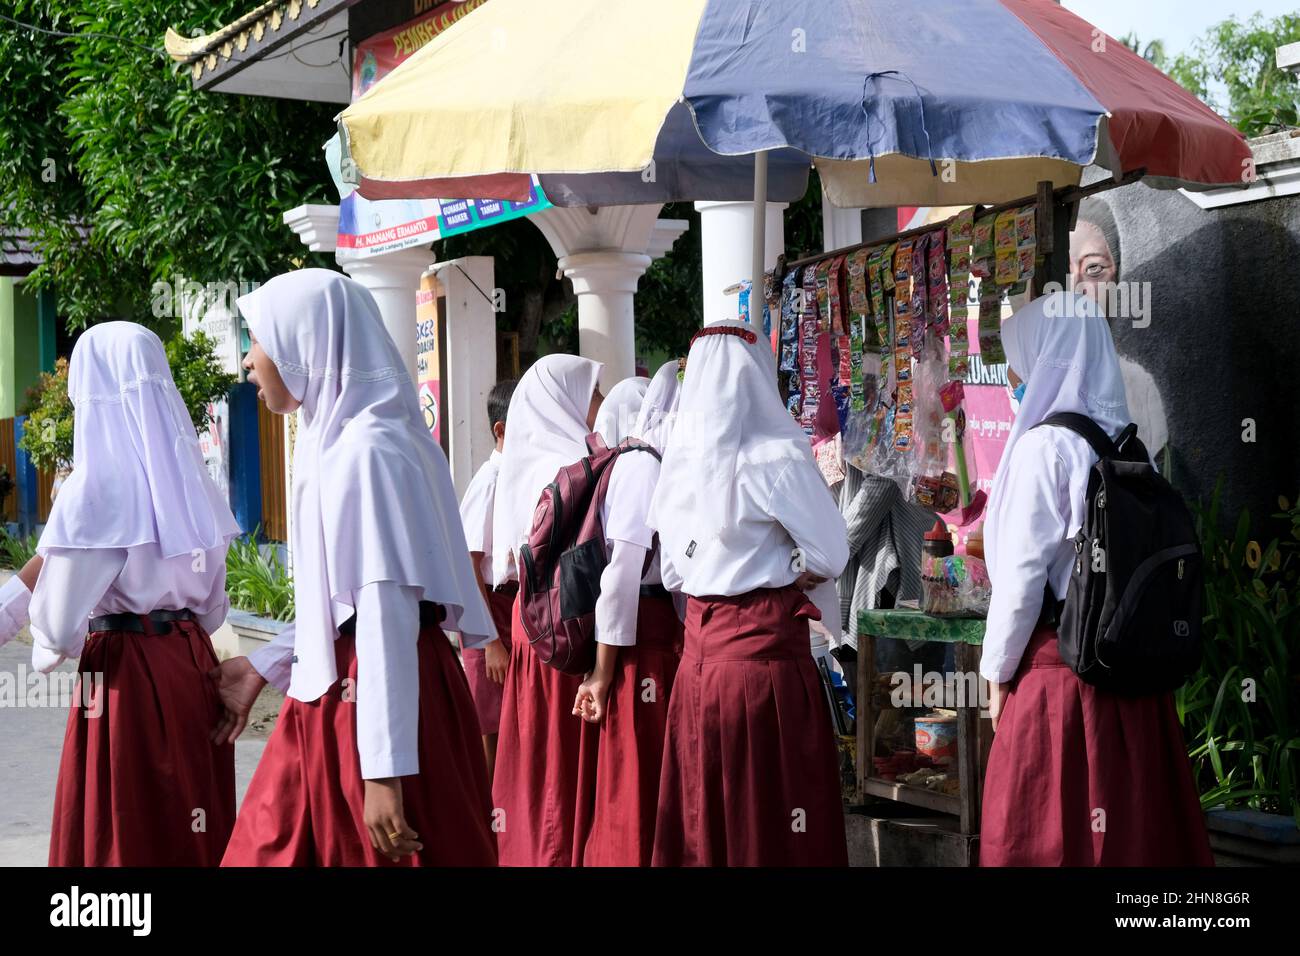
(1177, 22)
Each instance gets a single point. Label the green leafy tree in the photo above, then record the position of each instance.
(47, 433)
(126, 175)
(1233, 67)
(198, 375)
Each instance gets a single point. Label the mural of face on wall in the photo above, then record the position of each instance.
(1094, 268)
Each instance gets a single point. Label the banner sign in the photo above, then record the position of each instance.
(369, 228)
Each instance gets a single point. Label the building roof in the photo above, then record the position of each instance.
(307, 38)
(18, 257)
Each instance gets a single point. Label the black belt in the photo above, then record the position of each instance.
(431, 614)
(510, 587)
(1049, 615)
(160, 621)
(656, 591)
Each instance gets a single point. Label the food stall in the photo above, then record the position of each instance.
(873, 345)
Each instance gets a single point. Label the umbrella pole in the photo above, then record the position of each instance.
(760, 238)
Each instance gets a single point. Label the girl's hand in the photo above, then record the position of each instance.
(496, 658)
(592, 696)
(238, 684)
(385, 821)
(997, 697)
(807, 581)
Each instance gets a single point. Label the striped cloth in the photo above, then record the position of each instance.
(885, 535)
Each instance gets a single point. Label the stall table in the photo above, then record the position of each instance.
(967, 634)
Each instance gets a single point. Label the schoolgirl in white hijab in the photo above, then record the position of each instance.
(619, 410)
(624, 700)
(540, 744)
(376, 752)
(746, 523)
(136, 544)
(1062, 747)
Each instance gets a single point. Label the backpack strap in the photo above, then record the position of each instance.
(1085, 427)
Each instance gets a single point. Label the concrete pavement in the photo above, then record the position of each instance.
(31, 739)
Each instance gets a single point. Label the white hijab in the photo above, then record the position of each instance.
(372, 493)
(659, 407)
(1064, 353)
(729, 418)
(137, 475)
(619, 412)
(547, 431)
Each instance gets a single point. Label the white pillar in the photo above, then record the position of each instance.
(605, 283)
(470, 360)
(726, 250)
(393, 279)
(604, 252)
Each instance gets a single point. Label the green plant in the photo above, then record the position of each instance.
(47, 434)
(124, 173)
(15, 551)
(257, 582)
(1241, 711)
(198, 374)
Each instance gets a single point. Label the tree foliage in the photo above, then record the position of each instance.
(1233, 68)
(126, 175)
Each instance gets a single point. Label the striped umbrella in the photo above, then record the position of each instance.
(947, 102)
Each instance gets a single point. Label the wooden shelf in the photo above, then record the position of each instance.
(916, 796)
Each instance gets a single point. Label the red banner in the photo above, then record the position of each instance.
(377, 56)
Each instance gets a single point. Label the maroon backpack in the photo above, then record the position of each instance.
(565, 555)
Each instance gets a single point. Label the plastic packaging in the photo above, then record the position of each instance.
(955, 586)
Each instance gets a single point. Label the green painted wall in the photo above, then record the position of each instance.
(20, 344)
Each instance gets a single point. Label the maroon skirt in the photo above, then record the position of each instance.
(485, 691)
(617, 828)
(750, 775)
(539, 749)
(140, 783)
(305, 805)
(1081, 777)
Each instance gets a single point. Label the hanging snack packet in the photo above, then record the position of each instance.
(1026, 226)
(903, 262)
(937, 291)
(958, 365)
(904, 402)
(990, 326)
(1025, 264)
(1007, 268)
(835, 277)
(823, 296)
(961, 228)
(887, 257)
(902, 431)
(981, 253)
(959, 279)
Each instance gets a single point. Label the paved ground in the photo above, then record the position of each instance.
(30, 741)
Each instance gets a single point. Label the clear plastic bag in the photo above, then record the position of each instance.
(955, 586)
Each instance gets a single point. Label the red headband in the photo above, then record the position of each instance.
(745, 334)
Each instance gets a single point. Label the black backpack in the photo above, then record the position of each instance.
(1131, 619)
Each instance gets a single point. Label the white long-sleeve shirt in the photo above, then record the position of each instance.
(77, 584)
(759, 552)
(387, 691)
(476, 511)
(628, 538)
(1034, 542)
(15, 601)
